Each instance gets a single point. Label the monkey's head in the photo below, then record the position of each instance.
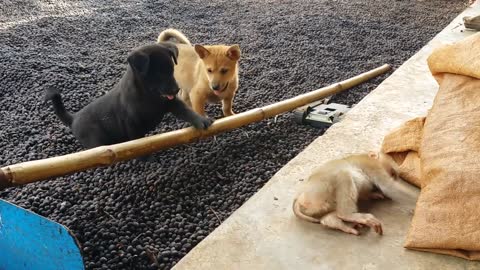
(387, 163)
(393, 186)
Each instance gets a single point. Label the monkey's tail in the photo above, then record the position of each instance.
(298, 212)
(167, 34)
(54, 95)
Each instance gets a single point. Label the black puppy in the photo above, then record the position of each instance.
(135, 105)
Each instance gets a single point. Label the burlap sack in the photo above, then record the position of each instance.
(441, 154)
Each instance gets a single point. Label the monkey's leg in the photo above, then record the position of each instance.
(365, 219)
(376, 196)
(347, 198)
(332, 221)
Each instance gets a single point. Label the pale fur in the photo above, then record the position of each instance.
(331, 193)
(172, 33)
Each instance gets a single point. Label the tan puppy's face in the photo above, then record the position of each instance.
(220, 63)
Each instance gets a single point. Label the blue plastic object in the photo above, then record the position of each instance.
(30, 241)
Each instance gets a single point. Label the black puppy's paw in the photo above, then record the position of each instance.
(202, 122)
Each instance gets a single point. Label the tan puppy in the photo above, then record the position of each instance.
(205, 73)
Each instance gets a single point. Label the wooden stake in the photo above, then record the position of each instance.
(32, 171)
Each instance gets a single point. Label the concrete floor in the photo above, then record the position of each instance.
(264, 234)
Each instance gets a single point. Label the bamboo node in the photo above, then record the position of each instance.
(108, 156)
(264, 115)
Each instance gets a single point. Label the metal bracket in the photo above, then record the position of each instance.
(321, 115)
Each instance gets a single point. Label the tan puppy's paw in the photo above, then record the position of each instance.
(230, 113)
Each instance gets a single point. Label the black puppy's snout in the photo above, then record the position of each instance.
(174, 86)
(177, 89)
(216, 87)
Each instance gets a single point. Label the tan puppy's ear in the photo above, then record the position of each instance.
(234, 52)
(372, 154)
(201, 51)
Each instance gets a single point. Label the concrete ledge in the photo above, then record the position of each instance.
(264, 234)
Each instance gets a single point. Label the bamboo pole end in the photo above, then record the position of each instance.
(5, 181)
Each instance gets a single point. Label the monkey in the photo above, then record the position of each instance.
(331, 193)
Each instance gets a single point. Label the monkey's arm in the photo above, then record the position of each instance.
(347, 198)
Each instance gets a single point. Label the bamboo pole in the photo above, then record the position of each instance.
(32, 171)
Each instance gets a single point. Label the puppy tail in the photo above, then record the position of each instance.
(54, 95)
(298, 212)
(166, 35)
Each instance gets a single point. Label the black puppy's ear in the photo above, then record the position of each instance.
(139, 62)
(173, 50)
